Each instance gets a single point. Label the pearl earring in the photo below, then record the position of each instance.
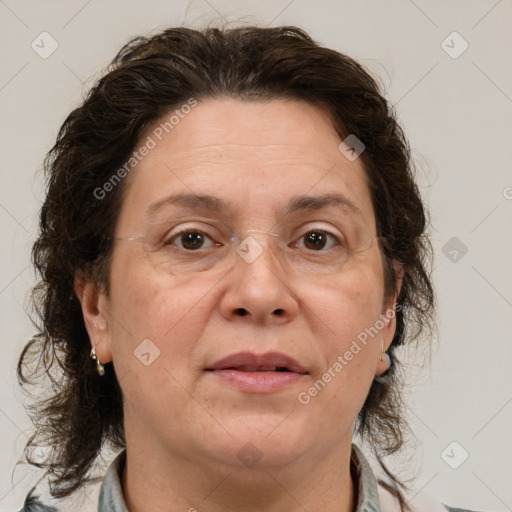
(99, 367)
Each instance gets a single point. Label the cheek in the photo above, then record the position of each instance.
(347, 303)
(172, 315)
(151, 305)
(346, 309)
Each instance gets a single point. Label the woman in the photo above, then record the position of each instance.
(233, 234)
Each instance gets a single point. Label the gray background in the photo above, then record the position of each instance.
(456, 113)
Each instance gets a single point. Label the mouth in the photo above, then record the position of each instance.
(257, 369)
(252, 373)
(249, 362)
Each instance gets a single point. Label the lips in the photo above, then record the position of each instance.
(249, 362)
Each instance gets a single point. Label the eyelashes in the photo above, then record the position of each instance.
(193, 240)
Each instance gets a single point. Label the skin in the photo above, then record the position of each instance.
(184, 426)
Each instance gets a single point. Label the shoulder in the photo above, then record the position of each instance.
(86, 499)
(417, 503)
(39, 499)
(422, 502)
(454, 509)
(378, 493)
(32, 504)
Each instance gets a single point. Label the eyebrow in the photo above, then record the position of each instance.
(217, 205)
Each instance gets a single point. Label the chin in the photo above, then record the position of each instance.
(263, 440)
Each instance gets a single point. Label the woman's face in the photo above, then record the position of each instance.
(179, 305)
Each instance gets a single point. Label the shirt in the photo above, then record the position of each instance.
(372, 493)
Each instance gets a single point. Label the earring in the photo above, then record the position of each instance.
(385, 358)
(99, 367)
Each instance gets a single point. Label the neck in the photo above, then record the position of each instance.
(156, 480)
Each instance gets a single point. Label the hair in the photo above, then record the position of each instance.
(82, 412)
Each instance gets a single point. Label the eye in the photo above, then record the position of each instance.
(317, 239)
(191, 240)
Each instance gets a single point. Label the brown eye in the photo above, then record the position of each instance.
(190, 240)
(317, 240)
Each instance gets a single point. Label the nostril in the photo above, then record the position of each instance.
(278, 312)
(241, 312)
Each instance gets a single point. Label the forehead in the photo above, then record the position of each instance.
(254, 156)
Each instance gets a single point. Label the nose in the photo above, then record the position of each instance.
(258, 290)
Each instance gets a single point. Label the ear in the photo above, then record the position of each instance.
(388, 316)
(95, 311)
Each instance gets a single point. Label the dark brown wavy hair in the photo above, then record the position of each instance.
(82, 412)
